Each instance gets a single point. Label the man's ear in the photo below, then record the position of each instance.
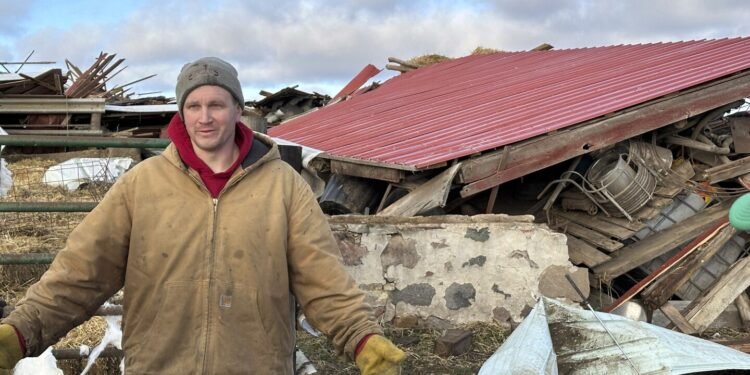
(240, 108)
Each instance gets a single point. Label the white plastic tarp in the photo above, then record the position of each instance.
(579, 344)
(6, 177)
(74, 172)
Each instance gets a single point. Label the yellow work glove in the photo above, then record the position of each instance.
(10, 348)
(379, 357)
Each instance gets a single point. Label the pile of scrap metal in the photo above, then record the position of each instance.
(634, 152)
(654, 212)
(55, 104)
(284, 104)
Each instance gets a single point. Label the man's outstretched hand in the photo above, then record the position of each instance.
(379, 356)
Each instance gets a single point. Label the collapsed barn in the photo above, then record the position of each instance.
(463, 190)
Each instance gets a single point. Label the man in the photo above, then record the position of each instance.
(210, 240)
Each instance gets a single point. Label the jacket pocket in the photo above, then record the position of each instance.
(243, 332)
(175, 342)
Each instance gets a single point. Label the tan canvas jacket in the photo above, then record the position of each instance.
(206, 280)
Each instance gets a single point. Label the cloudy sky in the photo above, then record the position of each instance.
(320, 45)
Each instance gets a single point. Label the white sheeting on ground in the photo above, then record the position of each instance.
(559, 337)
(113, 335)
(45, 364)
(74, 172)
(6, 177)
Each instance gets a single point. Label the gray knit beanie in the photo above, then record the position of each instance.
(207, 71)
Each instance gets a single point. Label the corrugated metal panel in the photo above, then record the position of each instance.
(478, 103)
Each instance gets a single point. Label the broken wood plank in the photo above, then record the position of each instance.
(665, 267)
(431, 194)
(366, 171)
(740, 126)
(593, 222)
(491, 201)
(724, 291)
(726, 171)
(661, 242)
(729, 318)
(634, 226)
(678, 319)
(668, 284)
(743, 306)
(593, 237)
(580, 252)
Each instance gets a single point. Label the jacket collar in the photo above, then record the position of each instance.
(263, 150)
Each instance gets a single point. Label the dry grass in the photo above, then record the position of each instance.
(41, 232)
(428, 59)
(419, 344)
(484, 51)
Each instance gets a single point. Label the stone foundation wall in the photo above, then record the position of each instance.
(446, 270)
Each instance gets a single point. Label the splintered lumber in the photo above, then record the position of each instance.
(580, 252)
(593, 222)
(677, 318)
(706, 308)
(632, 256)
(726, 171)
(743, 306)
(593, 237)
(664, 268)
(663, 289)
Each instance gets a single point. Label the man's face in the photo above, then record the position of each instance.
(210, 116)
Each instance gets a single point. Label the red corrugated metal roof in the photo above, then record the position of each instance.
(477, 103)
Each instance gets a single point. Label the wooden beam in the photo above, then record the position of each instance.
(594, 222)
(593, 237)
(366, 171)
(726, 171)
(492, 199)
(743, 306)
(526, 157)
(580, 252)
(678, 319)
(659, 243)
(725, 290)
(44, 105)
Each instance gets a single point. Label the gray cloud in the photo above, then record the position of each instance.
(12, 12)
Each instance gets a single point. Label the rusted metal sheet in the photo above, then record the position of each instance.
(479, 103)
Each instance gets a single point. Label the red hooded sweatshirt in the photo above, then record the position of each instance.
(214, 182)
